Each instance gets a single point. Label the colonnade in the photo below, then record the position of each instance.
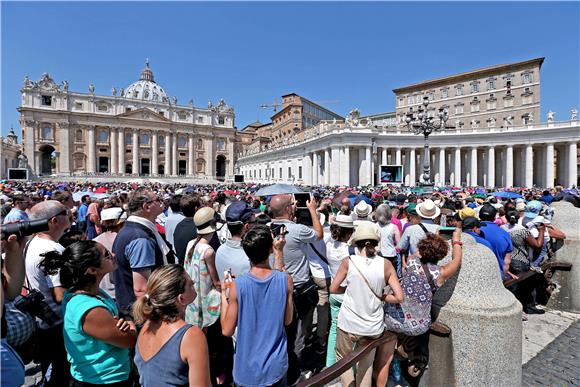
(543, 165)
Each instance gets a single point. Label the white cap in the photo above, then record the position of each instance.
(113, 213)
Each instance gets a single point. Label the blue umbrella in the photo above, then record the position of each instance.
(358, 198)
(506, 195)
(278, 189)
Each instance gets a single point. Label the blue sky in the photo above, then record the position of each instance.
(250, 53)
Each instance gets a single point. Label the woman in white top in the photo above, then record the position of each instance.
(390, 236)
(336, 251)
(361, 314)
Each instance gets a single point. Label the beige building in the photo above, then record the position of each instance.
(9, 152)
(137, 131)
(493, 97)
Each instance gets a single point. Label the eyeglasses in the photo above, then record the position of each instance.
(107, 255)
(63, 212)
(158, 200)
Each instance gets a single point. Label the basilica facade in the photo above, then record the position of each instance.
(135, 131)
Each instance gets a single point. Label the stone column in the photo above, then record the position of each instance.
(398, 158)
(307, 169)
(572, 160)
(136, 165)
(92, 158)
(154, 153)
(412, 167)
(442, 162)
(491, 167)
(29, 144)
(175, 155)
(114, 149)
(384, 156)
(65, 152)
(509, 166)
(230, 158)
(473, 163)
(529, 179)
(457, 169)
(335, 166)
(549, 165)
(315, 168)
(191, 158)
(361, 167)
(167, 167)
(121, 149)
(327, 166)
(345, 166)
(369, 165)
(210, 161)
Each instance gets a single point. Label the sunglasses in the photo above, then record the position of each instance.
(107, 255)
(63, 212)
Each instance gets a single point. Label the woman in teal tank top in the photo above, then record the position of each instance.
(96, 340)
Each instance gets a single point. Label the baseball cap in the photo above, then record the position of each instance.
(470, 222)
(238, 212)
(113, 213)
(533, 209)
(487, 211)
(467, 212)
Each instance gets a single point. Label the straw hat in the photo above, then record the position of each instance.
(362, 209)
(343, 221)
(204, 220)
(366, 231)
(428, 209)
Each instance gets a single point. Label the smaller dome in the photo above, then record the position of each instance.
(146, 89)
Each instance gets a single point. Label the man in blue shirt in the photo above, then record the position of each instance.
(472, 226)
(82, 213)
(18, 212)
(500, 240)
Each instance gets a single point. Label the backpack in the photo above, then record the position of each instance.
(412, 317)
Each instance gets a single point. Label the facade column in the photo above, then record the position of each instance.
(136, 166)
(175, 155)
(92, 158)
(491, 167)
(114, 149)
(442, 162)
(315, 168)
(345, 168)
(549, 166)
(529, 180)
(473, 163)
(384, 156)
(29, 145)
(327, 166)
(307, 169)
(121, 149)
(572, 167)
(155, 153)
(65, 152)
(335, 170)
(412, 167)
(361, 166)
(398, 158)
(191, 157)
(369, 165)
(167, 166)
(230, 158)
(509, 166)
(210, 162)
(457, 172)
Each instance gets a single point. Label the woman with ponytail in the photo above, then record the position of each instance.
(524, 244)
(361, 314)
(96, 340)
(169, 351)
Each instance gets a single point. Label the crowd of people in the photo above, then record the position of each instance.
(175, 285)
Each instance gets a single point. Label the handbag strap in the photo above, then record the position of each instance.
(427, 232)
(366, 280)
(318, 253)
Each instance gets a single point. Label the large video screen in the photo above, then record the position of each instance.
(391, 174)
(238, 178)
(17, 174)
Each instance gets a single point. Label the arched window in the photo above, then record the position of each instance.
(181, 141)
(161, 139)
(46, 133)
(79, 136)
(128, 139)
(144, 139)
(103, 135)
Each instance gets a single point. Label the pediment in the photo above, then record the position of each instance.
(144, 114)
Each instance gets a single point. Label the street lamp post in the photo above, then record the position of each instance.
(421, 123)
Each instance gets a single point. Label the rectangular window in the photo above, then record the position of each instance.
(221, 120)
(475, 107)
(289, 172)
(280, 173)
(410, 100)
(527, 78)
(182, 115)
(78, 106)
(508, 102)
(458, 90)
(475, 88)
(127, 110)
(401, 102)
(300, 172)
(431, 96)
(444, 93)
(46, 100)
(459, 109)
(102, 108)
(491, 105)
(199, 119)
(491, 84)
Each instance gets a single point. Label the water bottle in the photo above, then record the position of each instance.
(396, 370)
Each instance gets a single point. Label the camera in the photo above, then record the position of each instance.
(25, 228)
(278, 229)
(35, 304)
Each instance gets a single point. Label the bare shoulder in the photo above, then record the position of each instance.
(194, 334)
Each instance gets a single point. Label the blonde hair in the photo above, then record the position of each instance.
(164, 285)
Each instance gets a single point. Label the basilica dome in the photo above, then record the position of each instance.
(145, 89)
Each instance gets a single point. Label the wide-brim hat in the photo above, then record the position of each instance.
(204, 220)
(428, 209)
(366, 231)
(362, 209)
(343, 221)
